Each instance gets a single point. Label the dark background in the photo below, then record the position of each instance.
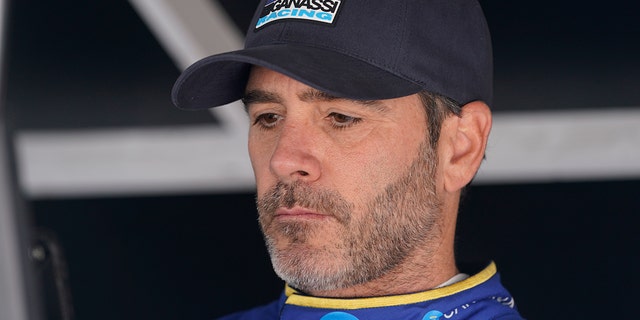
(566, 250)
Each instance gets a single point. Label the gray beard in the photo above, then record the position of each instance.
(397, 222)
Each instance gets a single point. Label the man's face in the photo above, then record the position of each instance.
(346, 189)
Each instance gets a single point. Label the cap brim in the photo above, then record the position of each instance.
(221, 79)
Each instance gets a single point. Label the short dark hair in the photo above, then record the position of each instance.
(437, 109)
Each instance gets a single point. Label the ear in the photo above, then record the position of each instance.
(463, 142)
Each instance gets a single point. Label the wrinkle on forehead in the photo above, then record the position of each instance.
(306, 94)
(260, 96)
(312, 95)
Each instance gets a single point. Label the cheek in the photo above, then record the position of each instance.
(365, 174)
(372, 168)
(260, 158)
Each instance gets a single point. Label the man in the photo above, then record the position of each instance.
(367, 119)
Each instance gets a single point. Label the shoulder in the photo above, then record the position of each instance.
(482, 296)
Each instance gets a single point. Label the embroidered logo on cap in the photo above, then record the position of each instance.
(324, 11)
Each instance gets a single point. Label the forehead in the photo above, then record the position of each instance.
(266, 85)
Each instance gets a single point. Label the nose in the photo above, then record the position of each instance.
(295, 157)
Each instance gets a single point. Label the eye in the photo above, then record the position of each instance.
(341, 121)
(267, 120)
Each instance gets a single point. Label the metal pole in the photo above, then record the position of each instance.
(12, 288)
(19, 298)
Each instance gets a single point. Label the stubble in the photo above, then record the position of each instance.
(401, 219)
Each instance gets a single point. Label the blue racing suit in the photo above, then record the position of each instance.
(480, 297)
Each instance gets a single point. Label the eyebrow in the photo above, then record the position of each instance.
(260, 96)
(309, 95)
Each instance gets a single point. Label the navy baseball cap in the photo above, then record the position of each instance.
(356, 49)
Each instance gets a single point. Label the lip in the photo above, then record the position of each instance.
(298, 213)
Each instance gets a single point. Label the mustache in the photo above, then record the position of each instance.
(323, 201)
